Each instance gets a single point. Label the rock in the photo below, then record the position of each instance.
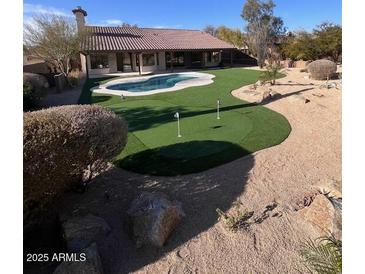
(269, 95)
(302, 200)
(266, 96)
(299, 98)
(274, 95)
(152, 217)
(320, 213)
(333, 191)
(91, 264)
(253, 87)
(80, 232)
(331, 187)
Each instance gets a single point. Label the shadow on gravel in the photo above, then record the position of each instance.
(110, 195)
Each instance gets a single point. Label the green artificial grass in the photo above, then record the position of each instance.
(153, 146)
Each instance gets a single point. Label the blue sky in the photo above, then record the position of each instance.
(189, 14)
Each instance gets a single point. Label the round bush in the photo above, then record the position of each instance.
(60, 143)
(36, 80)
(322, 69)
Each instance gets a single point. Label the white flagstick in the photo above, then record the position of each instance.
(178, 124)
(218, 104)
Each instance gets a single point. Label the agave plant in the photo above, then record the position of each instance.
(323, 255)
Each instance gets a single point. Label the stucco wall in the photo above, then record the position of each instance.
(83, 62)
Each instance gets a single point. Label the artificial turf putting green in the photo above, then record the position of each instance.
(153, 146)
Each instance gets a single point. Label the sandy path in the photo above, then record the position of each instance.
(284, 173)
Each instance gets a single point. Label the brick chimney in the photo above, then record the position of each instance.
(80, 17)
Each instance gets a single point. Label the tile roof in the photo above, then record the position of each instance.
(139, 39)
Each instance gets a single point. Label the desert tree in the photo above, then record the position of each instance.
(210, 29)
(263, 28)
(300, 46)
(127, 25)
(55, 39)
(325, 41)
(234, 36)
(328, 40)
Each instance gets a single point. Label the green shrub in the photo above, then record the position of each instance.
(238, 219)
(59, 144)
(322, 69)
(270, 74)
(323, 255)
(31, 96)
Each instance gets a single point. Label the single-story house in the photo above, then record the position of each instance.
(132, 49)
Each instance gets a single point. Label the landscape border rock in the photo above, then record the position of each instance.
(152, 217)
(79, 232)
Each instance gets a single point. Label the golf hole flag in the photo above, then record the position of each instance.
(177, 116)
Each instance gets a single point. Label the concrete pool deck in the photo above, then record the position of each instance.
(200, 79)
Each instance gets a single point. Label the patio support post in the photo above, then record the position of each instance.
(139, 63)
(87, 66)
(171, 63)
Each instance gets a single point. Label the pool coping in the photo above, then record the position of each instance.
(204, 79)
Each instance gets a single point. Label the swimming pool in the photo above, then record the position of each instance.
(158, 82)
(152, 84)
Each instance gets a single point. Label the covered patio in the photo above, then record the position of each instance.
(108, 50)
(140, 63)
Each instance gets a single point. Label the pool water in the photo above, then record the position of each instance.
(158, 82)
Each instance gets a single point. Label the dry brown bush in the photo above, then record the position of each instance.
(322, 69)
(60, 143)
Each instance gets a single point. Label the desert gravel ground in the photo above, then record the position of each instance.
(285, 175)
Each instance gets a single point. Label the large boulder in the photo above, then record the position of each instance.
(152, 217)
(324, 215)
(322, 69)
(80, 232)
(88, 263)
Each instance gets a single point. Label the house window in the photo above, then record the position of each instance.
(209, 57)
(148, 59)
(99, 61)
(215, 57)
